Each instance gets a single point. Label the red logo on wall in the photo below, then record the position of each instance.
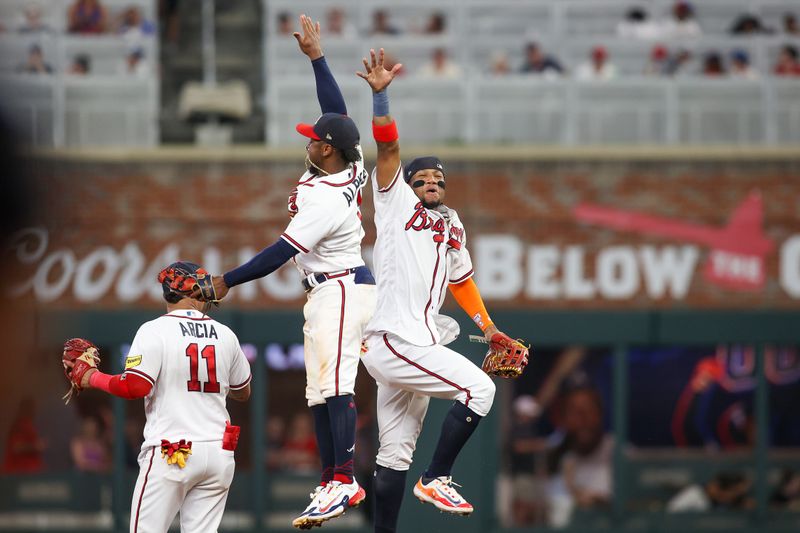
(738, 250)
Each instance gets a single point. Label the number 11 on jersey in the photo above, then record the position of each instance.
(210, 355)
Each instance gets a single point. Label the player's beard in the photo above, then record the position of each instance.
(314, 169)
(431, 205)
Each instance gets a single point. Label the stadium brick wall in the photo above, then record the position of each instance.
(228, 206)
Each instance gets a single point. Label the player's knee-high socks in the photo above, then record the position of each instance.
(457, 428)
(388, 492)
(322, 428)
(342, 413)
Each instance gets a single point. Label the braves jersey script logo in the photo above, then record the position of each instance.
(421, 221)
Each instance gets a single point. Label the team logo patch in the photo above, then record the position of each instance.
(132, 361)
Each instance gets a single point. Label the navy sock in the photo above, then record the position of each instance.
(342, 414)
(322, 427)
(389, 486)
(457, 428)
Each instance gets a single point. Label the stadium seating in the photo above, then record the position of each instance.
(631, 109)
(107, 106)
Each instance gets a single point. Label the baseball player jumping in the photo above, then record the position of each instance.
(324, 240)
(184, 365)
(420, 250)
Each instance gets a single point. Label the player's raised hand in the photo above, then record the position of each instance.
(376, 74)
(309, 41)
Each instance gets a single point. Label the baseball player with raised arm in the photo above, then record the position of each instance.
(323, 238)
(420, 251)
(184, 364)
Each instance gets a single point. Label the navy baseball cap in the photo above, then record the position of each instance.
(423, 163)
(333, 128)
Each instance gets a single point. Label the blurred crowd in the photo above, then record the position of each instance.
(666, 39)
(559, 450)
(85, 18)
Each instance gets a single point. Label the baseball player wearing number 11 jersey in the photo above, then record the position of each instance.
(184, 364)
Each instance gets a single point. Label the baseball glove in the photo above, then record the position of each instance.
(205, 283)
(79, 356)
(506, 357)
(185, 283)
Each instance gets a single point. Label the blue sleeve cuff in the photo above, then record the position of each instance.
(264, 263)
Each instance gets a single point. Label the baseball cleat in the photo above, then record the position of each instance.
(334, 501)
(441, 493)
(301, 522)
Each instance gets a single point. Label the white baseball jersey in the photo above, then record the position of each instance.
(192, 361)
(326, 220)
(417, 253)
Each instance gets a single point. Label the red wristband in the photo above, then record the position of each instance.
(385, 133)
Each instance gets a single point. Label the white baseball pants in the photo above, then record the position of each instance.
(408, 376)
(198, 491)
(336, 314)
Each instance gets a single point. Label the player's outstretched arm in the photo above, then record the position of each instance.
(328, 93)
(263, 264)
(384, 128)
(469, 299)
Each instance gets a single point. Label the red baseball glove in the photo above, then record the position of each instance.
(506, 357)
(79, 357)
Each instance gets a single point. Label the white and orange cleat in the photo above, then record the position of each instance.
(441, 492)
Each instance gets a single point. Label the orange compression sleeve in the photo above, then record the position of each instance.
(469, 298)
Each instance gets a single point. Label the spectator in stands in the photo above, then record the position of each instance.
(285, 23)
(598, 67)
(638, 25)
(583, 477)
(381, 24)
(168, 12)
(389, 61)
(35, 63)
(135, 63)
(338, 25)
(300, 448)
(524, 445)
(33, 22)
(658, 65)
(440, 66)
(790, 26)
(749, 24)
(537, 62)
(81, 65)
(677, 62)
(89, 452)
(87, 16)
(275, 431)
(713, 65)
(498, 65)
(726, 490)
(682, 23)
(133, 26)
(788, 64)
(740, 65)
(787, 492)
(24, 447)
(437, 24)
